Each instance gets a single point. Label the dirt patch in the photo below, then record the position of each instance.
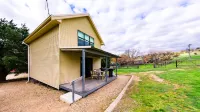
(21, 96)
(160, 80)
(156, 78)
(149, 72)
(136, 78)
(176, 86)
(177, 70)
(155, 72)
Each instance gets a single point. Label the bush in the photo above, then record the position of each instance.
(13, 54)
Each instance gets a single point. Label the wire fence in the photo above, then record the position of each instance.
(173, 63)
(187, 62)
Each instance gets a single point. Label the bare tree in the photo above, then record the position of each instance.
(134, 53)
(127, 53)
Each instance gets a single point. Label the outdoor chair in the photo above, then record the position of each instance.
(98, 74)
(93, 74)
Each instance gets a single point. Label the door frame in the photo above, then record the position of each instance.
(88, 62)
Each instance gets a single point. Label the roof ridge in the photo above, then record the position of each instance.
(77, 14)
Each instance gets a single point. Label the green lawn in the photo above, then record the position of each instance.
(180, 90)
(145, 68)
(190, 79)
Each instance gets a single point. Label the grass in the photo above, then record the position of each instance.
(190, 80)
(144, 68)
(153, 96)
(149, 67)
(186, 56)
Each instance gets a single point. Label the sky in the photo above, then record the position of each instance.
(144, 25)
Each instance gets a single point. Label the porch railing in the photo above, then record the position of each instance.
(73, 87)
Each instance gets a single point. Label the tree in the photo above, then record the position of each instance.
(131, 53)
(123, 60)
(13, 54)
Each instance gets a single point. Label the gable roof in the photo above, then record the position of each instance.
(54, 20)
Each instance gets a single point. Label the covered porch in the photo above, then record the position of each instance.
(91, 85)
(84, 86)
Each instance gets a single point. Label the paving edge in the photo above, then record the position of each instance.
(119, 97)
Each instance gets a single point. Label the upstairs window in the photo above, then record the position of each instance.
(84, 39)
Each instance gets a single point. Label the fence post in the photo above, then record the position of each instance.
(73, 91)
(106, 69)
(116, 66)
(154, 65)
(176, 64)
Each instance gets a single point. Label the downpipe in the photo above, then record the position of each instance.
(28, 61)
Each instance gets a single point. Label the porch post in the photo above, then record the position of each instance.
(106, 69)
(116, 66)
(83, 69)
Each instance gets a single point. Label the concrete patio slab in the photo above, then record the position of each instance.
(68, 97)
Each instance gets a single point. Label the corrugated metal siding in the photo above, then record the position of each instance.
(44, 58)
(68, 32)
(69, 66)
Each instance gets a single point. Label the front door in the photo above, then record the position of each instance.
(88, 67)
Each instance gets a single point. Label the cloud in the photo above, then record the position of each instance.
(146, 25)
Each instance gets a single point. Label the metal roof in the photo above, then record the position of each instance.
(91, 50)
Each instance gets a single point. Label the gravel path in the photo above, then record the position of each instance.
(20, 96)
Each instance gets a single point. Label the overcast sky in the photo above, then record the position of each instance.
(147, 25)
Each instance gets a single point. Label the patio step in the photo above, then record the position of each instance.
(68, 97)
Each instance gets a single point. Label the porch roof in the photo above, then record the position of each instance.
(90, 49)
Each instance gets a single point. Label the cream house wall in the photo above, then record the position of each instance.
(69, 66)
(69, 28)
(44, 58)
(96, 63)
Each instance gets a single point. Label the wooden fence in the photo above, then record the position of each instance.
(187, 62)
(162, 63)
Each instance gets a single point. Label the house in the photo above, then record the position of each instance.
(65, 48)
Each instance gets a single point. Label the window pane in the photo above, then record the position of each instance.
(81, 42)
(92, 44)
(80, 34)
(87, 43)
(87, 37)
(91, 39)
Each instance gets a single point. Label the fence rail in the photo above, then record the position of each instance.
(188, 62)
(173, 63)
(73, 87)
(162, 63)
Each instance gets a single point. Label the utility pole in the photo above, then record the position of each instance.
(47, 7)
(189, 50)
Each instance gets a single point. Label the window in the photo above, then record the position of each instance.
(84, 39)
(92, 41)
